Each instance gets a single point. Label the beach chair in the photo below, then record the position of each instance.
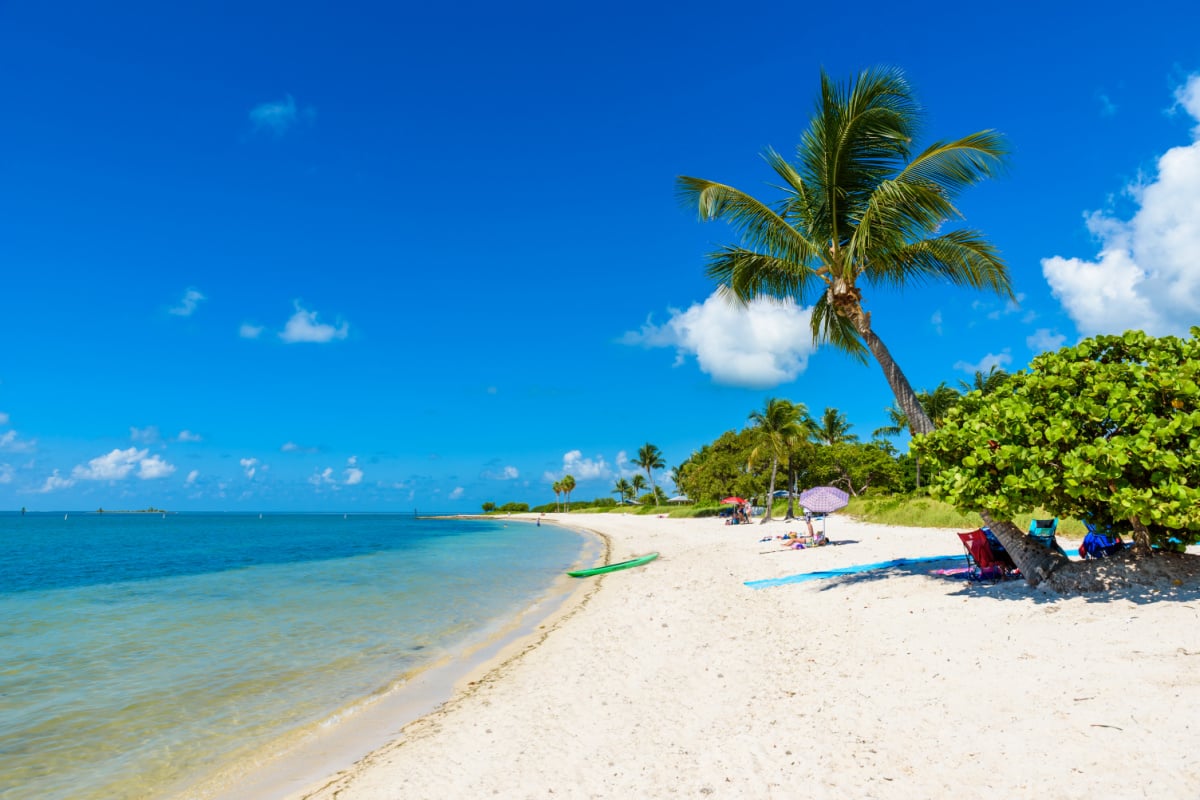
(1099, 544)
(984, 563)
(1042, 531)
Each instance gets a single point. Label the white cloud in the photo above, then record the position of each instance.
(1044, 339)
(354, 475)
(456, 493)
(55, 482)
(582, 469)
(147, 435)
(280, 116)
(3, 418)
(936, 321)
(986, 363)
(322, 478)
(248, 331)
(6, 473)
(303, 327)
(758, 346)
(191, 478)
(191, 299)
(188, 436)
(250, 466)
(292, 447)
(154, 467)
(507, 473)
(1145, 275)
(13, 443)
(113, 466)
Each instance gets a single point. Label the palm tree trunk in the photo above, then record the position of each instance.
(1035, 561)
(653, 487)
(918, 420)
(770, 492)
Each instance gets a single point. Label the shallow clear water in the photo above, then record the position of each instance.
(138, 652)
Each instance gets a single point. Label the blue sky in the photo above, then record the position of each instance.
(357, 257)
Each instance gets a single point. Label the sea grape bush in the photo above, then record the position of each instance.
(1107, 430)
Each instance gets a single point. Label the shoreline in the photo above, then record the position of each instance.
(677, 678)
(307, 757)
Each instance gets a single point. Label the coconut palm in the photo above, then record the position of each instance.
(899, 423)
(568, 486)
(557, 487)
(937, 403)
(833, 428)
(859, 207)
(639, 484)
(777, 425)
(985, 383)
(622, 488)
(650, 457)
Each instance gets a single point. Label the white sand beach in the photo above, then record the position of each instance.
(675, 679)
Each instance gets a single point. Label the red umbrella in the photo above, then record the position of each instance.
(733, 499)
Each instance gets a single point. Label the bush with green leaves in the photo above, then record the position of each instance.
(1107, 430)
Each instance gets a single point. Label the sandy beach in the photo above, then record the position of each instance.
(676, 679)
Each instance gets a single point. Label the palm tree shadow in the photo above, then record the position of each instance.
(1013, 588)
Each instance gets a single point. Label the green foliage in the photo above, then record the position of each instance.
(489, 508)
(721, 468)
(1108, 430)
(514, 508)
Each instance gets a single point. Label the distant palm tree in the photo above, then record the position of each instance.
(777, 425)
(622, 488)
(568, 486)
(939, 402)
(650, 457)
(985, 383)
(557, 487)
(899, 423)
(639, 484)
(859, 207)
(833, 428)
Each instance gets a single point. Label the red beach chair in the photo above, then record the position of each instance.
(984, 563)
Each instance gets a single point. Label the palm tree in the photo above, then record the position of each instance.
(899, 423)
(859, 207)
(650, 457)
(985, 383)
(639, 484)
(557, 487)
(622, 488)
(937, 404)
(568, 486)
(833, 428)
(777, 425)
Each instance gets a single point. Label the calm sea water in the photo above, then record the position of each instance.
(139, 652)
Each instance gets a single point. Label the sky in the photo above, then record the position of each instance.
(380, 257)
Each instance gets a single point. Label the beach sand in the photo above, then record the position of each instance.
(676, 680)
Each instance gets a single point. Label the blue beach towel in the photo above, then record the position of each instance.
(833, 573)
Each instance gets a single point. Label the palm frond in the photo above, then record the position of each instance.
(758, 225)
(827, 326)
(747, 275)
(962, 257)
(953, 166)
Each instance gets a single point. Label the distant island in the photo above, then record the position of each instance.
(150, 510)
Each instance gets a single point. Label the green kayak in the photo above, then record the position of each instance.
(633, 562)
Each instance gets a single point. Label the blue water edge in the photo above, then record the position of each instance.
(140, 651)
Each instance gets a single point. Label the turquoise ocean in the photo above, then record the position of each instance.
(142, 652)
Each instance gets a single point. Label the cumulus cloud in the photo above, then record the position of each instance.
(154, 467)
(456, 493)
(188, 436)
(353, 474)
(1044, 339)
(581, 468)
(507, 473)
(191, 477)
(323, 477)
(986, 363)
(303, 327)
(55, 482)
(187, 306)
(279, 116)
(112, 466)
(758, 346)
(248, 331)
(13, 443)
(249, 466)
(1145, 275)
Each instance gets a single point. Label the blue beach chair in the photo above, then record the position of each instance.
(1042, 532)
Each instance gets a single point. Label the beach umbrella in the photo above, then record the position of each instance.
(823, 499)
(736, 499)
